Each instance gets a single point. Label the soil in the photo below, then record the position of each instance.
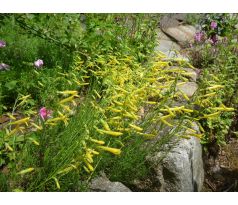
(221, 171)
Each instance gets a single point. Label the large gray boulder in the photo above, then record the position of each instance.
(103, 184)
(181, 168)
(183, 34)
(188, 88)
(167, 46)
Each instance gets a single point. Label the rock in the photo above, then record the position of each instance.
(161, 35)
(180, 169)
(169, 49)
(171, 20)
(191, 73)
(189, 88)
(173, 56)
(183, 34)
(181, 17)
(167, 45)
(167, 21)
(145, 185)
(103, 184)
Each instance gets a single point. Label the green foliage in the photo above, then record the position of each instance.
(218, 62)
(37, 158)
(225, 23)
(98, 74)
(130, 165)
(57, 38)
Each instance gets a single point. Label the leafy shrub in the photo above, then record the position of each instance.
(217, 59)
(70, 118)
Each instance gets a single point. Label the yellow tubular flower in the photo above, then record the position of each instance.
(176, 108)
(118, 103)
(56, 119)
(227, 108)
(68, 99)
(22, 129)
(40, 84)
(86, 169)
(117, 96)
(110, 149)
(212, 115)
(185, 96)
(56, 182)
(215, 87)
(123, 129)
(36, 126)
(130, 115)
(185, 136)
(187, 110)
(133, 108)
(68, 92)
(114, 110)
(67, 169)
(165, 117)
(24, 97)
(182, 83)
(97, 141)
(8, 147)
(113, 133)
(11, 116)
(18, 122)
(13, 131)
(189, 129)
(116, 118)
(151, 102)
(165, 122)
(26, 171)
(99, 96)
(136, 127)
(88, 157)
(170, 112)
(209, 94)
(105, 125)
(196, 135)
(89, 166)
(67, 108)
(34, 141)
(92, 151)
(200, 127)
(79, 83)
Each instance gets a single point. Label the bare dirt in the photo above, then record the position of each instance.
(221, 172)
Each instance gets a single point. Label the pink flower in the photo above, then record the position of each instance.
(198, 36)
(39, 63)
(214, 39)
(213, 24)
(44, 113)
(4, 66)
(2, 44)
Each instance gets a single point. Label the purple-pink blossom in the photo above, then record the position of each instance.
(198, 36)
(4, 66)
(45, 113)
(38, 63)
(2, 44)
(214, 39)
(213, 24)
